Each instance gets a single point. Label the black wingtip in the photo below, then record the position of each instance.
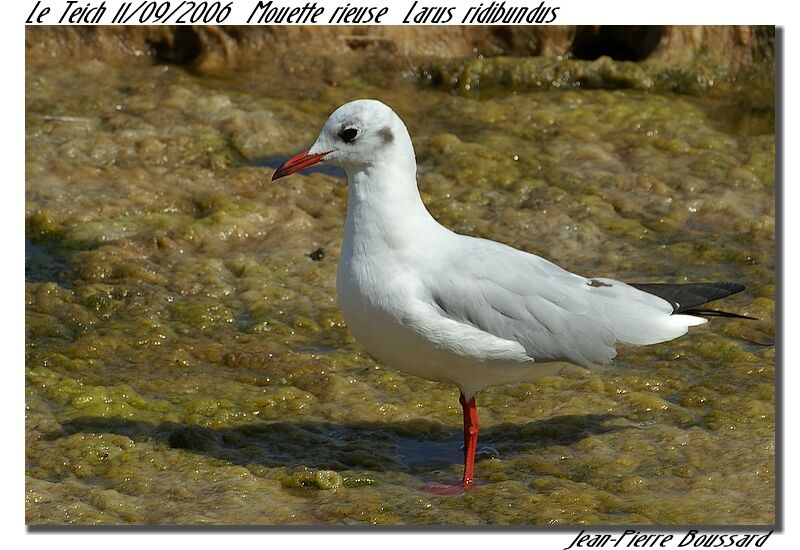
(687, 296)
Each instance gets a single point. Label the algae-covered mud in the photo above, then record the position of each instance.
(186, 359)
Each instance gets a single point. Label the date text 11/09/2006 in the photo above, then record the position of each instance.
(693, 539)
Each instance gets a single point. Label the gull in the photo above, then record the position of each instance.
(464, 310)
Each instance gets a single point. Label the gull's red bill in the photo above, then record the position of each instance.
(297, 163)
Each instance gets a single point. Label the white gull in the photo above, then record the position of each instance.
(464, 310)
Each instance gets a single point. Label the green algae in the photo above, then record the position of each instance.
(187, 363)
(537, 73)
(316, 479)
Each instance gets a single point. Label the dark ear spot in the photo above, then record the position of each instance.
(386, 135)
(595, 282)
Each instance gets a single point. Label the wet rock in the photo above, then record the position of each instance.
(193, 438)
(217, 47)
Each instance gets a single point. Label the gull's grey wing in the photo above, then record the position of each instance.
(554, 314)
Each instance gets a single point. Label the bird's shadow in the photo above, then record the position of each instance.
(375, 446)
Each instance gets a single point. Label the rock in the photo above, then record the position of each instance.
(209, 48)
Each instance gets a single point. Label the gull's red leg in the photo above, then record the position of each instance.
(471, 428)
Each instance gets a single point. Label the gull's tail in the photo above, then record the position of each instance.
(685, 298)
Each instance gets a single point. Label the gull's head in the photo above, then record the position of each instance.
(356, 136)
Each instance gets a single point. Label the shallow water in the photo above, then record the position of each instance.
(187, 362)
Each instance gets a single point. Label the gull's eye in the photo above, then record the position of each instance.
(348, 135)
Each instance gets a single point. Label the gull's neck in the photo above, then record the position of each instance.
(384, 208)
